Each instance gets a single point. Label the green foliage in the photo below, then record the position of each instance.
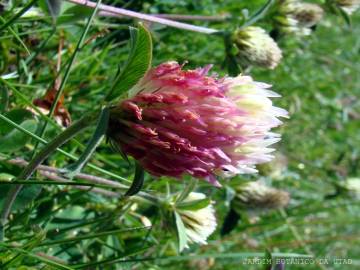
(180, 231)
(15, 139)
(97, 137)
(138, 63)
(54, 7)
(74, 14)
(194, 205)
(95, 227)
(4, 98)
(25, 197)
(138, 181)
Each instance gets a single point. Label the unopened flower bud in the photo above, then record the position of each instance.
(297, 17)
(352, 186)
(257, 196)
(256, 47)
(200, 223)
(349, 6)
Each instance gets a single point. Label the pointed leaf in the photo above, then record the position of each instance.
(18, 116)
(4, 98)
(25, 197)
(181, 232)
(345, 16)
(260, 13)
(54, 7)
(268, 260)
(138, 181)
(186, 191)
(138, 63)
(73, 14)
(194, 205)
(102, 125)
(230, 62)
(16, 139)
(230, 222)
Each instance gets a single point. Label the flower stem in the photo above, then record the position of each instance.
(178, 17)
(59, 140)
(149, 18)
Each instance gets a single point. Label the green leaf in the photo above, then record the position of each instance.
(16, 139)
(260, 13)
(54, 7)
(74, 14)
(138, 181)
(181, 231)
(345, 16)
(186, 191)
(231, 62)
(102, 125)
(26, 195)
(18, 116)
(5, 177)
(138, 63)
(9, 22)
(194, 205)
(230, 222)
(54, 264)
(4, 98)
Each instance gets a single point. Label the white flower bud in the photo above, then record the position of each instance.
(257, 196)
(199, 224)
(256, 47)
(297, 17)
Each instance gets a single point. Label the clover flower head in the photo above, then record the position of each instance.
(349, 6)
(199, 224)
(178, 122)
(297, 17)
(257, 196)
(256, 47)
(352, 186)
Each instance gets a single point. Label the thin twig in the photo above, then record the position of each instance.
(144, 17)
(88, 177)
(49, 169)
(51, 258)
(178, 17)
(54, 177)
(58, 62)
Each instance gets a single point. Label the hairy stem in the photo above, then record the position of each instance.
(54, 172)
(178, 17)
(144, 17)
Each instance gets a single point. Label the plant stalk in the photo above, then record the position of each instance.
(59, 140)
(144, 17)
(178, 17)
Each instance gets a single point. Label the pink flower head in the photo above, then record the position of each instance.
(179, 122)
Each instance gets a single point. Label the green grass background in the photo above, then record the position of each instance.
(320, 84)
